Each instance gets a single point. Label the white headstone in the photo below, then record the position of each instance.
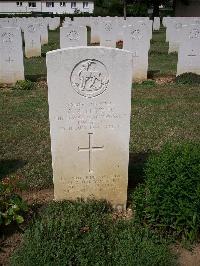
(156, 23)
(175, 34)
(108, 36)
(89, 93)
(54, 23)
(11, 55)
(136, 40)
(72, 36)
(43, 31)
(189, 57)
(32, 40)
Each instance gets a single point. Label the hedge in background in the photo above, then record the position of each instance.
(86, 234)
(169, 201)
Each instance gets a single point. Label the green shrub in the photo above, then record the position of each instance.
(12, 207)
(188, 78)
(169, 201)
(24, 85)
(85, 234)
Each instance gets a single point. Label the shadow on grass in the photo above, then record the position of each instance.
(152, 73)
(136, 170)
(10, 166)
(36, 77)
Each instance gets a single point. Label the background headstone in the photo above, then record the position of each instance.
(11, 55)
(32, 41)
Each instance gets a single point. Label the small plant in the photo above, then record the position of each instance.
(169, 200)
(24, 85)
(12, 207)
(188, 78)
(66, 233)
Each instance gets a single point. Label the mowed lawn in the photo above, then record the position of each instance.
(161, 113)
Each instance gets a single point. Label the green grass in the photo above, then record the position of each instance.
(160, 114)
(24, 136)
(168, 113)
(60, 235)
(159, 59)
(87, 234)
(36, 67)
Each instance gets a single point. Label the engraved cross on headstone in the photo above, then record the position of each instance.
(9, 60)
(90, 149)
(32, 43)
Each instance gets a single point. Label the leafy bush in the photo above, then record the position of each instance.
(12, 207)
(86, 234)
(169, 201)
(188, 78)
(24, 85)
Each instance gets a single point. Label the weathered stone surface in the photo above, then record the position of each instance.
(89, 92)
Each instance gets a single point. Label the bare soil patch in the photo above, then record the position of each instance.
(164, 80)
(187, 257)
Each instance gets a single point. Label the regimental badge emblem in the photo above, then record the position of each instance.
(31, 28)
(136, 34)
(73, 35)
(90, 78)
(108, 27)
(194, 34)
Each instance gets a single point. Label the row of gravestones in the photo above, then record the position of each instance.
(107, 31)
(53, 23)
(35, 32)
(136, 39)
(135, 34)
(183, 35)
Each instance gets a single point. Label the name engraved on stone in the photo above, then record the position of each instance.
(89, 78)
(81, 116)
(90, 149)
(73, 35)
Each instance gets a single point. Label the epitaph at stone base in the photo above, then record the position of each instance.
(89, 108)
